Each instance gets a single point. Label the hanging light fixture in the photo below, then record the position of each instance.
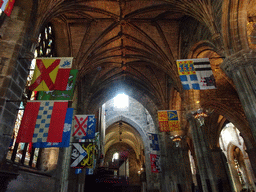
(201, 114)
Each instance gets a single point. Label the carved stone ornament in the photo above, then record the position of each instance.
(242, 59)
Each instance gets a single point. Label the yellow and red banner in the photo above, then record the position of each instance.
(51, 74)
(6, 6)
(168, 121)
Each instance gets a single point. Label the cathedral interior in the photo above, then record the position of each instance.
(125, 52)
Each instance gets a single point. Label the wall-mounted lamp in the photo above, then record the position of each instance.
(201, 114)
(177, 139)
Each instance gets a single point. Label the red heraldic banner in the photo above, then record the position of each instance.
(155, 163)
(6, 6)
(43, 122)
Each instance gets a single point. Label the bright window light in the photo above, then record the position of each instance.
(115, 157)
(121, 101)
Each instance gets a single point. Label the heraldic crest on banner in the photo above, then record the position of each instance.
(84, 126)
(82, 155)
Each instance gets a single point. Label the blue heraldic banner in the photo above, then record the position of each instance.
(154, 142)
(196, 74)
(65, 136)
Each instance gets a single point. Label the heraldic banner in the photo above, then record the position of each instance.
(168, 120)
(154, 145)
(6, 6)
(61, 95)
(155, 163)
(196, 74)
(43, 121)
(65, 135)
(84, 126)
(82, 155)
(51, 74)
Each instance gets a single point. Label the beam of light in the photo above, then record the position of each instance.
(121, 101)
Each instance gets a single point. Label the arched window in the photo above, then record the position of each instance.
(115, 156)
(45, 46)
(233, 146)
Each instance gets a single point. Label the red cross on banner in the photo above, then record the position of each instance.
(44, 76)
(80, 125)
(51, 74)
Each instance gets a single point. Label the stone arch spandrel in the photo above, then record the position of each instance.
(234, 21)
(200, 47)
(62, 38)
(235, 116)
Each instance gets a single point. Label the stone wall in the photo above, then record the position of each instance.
(135, 112)
(31, 182)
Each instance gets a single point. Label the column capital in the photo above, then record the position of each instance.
(242, 58)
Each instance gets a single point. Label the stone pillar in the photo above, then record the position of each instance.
(241, 68)
(221, 170)
(197, 146)
(178, 165)
(252, 157)
(163, 138)
(249, 171)
(204, 160)
(185, 175)
(15, 62)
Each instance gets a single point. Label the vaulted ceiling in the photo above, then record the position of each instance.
(132, 46)
(124, 133)
(126, 43)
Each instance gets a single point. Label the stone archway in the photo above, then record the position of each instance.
(135, 123)
(233, 146)
(130, 166)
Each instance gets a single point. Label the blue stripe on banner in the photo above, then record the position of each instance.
(65, 136)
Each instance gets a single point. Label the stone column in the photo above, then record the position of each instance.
(241, 68)
(249, 171)
(204, 161)
(163, 176)
(178, 164)
(221, 170)
(197, 145)
(185, 175)
(252, 157)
